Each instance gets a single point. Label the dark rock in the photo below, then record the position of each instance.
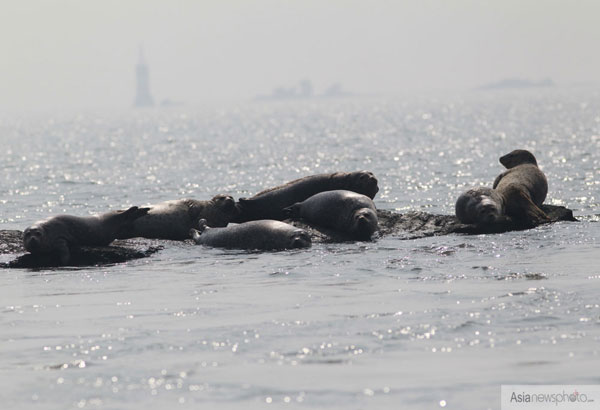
(11, 242)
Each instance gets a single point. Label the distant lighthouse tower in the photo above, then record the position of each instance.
(142, 92)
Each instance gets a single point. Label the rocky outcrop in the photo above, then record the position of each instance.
(411, 225)
(11, 242)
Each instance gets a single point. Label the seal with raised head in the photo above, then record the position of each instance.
(269, 204)
(523, 187)
(261, 235)
(343, 211)
(58, 234)
(174, 219)
(480, 206)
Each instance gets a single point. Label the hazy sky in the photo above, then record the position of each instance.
(82, 53)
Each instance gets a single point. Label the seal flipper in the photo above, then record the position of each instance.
(498, 178)
(536, 216)
(202, 225)
(521, 207)
(64, 253)
(196, 233)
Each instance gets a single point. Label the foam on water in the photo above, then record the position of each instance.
(389, 324)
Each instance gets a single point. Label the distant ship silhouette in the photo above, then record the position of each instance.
(518, 83)
(303, 91)
(142, 94)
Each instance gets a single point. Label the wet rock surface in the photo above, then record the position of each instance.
(411, 225)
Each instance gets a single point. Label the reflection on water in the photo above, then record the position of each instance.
(418, 323)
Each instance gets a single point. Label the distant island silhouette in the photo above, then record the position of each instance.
(516, 83)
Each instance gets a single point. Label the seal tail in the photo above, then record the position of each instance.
(126, 219)
(292, 212)
(133, 213)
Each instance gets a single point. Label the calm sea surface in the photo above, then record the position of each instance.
(439, 322)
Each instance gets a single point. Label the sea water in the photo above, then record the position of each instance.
(439, 322)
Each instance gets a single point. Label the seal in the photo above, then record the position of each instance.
(480, 206)
(344, 211)
(58, 234)
(174, 219)
(269, 204)
(523, 187)
(263, 235)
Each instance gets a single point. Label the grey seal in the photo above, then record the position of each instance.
(269, 204)
(262, 235)
(343, 211)
(58, 234)
(480, 206)
(174, 219)
(523, 187)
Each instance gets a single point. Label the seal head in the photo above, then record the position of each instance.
(226, 205)
(299, 239)
(34, 239)
(518, 157)
(480, 206)
(364, 223)
(365, 183)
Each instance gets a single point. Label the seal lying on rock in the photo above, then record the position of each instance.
(344, 211)
(174, 219)
(269, 204)
(523, 187)
(263, 235)
(480, 206)
(56, 235)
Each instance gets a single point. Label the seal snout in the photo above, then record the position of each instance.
(32, 240)
(489, 215)
(365, 215)
(365, 223)
(301, 239)
(33, 245)
(226, 203)
(362, 219)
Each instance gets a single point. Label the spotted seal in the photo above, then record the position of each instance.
(269, 204)
(174, 219)
(344, 211)
(480, 206)
(262, 235)
(523, 187)
(58, 234)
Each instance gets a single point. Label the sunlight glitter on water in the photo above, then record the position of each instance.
(342, 325)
